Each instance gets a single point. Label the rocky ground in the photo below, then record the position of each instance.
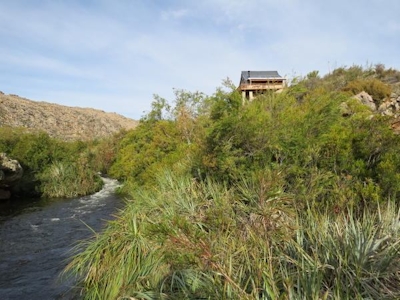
(389, 107)
(67, 123)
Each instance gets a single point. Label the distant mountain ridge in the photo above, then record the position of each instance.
(59, 121)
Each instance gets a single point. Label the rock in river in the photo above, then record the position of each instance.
(10, 172)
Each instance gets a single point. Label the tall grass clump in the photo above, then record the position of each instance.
(68, 179)
(120, 261)
(202, 240)
(343, 256)
(186, 239)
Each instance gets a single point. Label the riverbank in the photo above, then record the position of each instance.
(190, 240)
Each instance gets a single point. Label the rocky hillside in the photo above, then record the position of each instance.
(67, 123)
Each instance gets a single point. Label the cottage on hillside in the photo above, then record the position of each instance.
(253, 83)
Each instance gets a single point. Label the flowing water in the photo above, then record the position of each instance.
(36, 241)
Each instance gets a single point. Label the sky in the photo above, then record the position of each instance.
(114, 55)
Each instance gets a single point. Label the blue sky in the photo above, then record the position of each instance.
(114, 55)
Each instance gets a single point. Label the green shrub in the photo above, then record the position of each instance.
(53, 168)
(374, 87)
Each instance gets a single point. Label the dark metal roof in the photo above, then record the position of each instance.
(258, 75)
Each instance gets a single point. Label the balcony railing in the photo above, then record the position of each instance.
(262, 86)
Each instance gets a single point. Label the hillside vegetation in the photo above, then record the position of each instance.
(53, 167)
(61, 149)
(291, 196)
(59, 121)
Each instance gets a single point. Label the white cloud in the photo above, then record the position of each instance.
(39, 63)
(78, 52)
(174, 14)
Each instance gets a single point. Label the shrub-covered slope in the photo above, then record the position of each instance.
(53, 167)
(290, 196)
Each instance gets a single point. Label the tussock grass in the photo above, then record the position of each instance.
(186, 239)
(69, 180)
(344, 257)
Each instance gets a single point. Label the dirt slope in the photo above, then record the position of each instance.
(67, 123)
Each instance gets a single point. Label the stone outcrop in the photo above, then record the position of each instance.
(388, 107)
(10, 172)
(59, 121)
(391, 106)
(366, 99)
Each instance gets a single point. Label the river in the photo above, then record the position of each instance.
(36, 240)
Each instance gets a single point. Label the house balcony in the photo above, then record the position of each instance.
(261, 86)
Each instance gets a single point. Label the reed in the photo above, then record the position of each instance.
(186, 239)
(69, 180)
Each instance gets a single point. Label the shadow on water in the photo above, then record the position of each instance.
(36, 238)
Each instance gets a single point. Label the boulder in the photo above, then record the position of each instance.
(10, 172)
(345, 109)
(390, 107)
(384, 106)
(366, 99)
